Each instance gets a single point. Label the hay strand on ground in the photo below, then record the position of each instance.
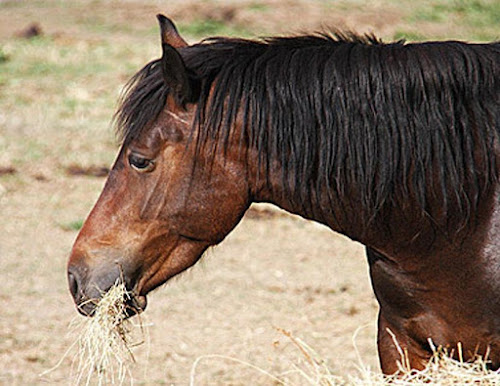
(312, 370)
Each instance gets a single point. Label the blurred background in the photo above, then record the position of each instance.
(62, 67)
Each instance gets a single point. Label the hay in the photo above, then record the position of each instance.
(104, 346)
(104, 357)
(441, 369)
(104, 343)
(310, 369)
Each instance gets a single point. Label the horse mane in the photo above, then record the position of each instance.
(338, 111)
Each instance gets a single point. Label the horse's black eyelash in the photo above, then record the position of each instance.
(140, 163)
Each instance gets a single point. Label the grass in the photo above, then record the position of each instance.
(475, 19)
(105, 355)
(259, 7)
(3, 56)
(478, 13)
(57, 95)
(410, 36)
(72, 225)
(209, 27)
(70, 87)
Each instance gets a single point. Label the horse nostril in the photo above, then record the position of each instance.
(73, 285)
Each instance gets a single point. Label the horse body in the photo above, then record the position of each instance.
(446, 296)
(394, 145)
(433, 288)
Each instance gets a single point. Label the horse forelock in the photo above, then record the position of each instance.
(345, 110)
(143, 98)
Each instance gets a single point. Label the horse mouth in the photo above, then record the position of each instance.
(107, 293)
(130, 304)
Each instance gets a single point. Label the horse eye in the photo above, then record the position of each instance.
(141, 164)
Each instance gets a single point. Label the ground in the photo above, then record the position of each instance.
(275, 272)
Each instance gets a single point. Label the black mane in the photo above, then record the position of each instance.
(394, 120)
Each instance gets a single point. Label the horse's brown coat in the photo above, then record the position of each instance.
(165, 202)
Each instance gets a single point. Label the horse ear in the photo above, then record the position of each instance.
(169, 33)
(173, 68)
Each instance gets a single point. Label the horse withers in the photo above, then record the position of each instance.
(394, 145)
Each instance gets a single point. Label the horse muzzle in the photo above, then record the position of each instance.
(88, 288)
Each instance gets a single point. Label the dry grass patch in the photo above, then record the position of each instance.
(310, 369)
(441, 369)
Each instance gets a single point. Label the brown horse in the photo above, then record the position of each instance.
(394, 145)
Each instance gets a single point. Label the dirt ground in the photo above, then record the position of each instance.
(275, 271)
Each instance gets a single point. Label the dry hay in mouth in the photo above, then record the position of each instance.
(105, 342)
(104, 349)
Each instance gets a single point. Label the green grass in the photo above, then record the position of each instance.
(3, 56)
(72, 226)
(259, 7)
(410, 36)
(58, 97)
(480, 19)
(202, 28)
(478, 13)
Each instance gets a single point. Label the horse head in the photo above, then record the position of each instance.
(161, 206)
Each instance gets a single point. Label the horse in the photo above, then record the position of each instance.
(395, 145)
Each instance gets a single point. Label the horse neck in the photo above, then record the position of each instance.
(340, 214)
(399, 230)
